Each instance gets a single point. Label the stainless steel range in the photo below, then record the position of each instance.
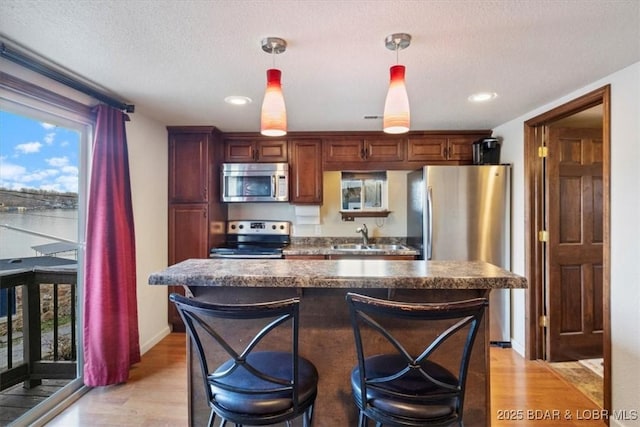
(254, 239)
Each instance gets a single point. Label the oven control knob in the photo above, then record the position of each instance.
(233, 226)
(241, 226)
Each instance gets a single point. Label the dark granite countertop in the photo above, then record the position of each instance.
(348, 273)
(302, 249)
(322, 246)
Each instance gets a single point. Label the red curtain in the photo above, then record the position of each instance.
(111, 343)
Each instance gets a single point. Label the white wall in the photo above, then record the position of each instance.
(625, 229)
(148, 165)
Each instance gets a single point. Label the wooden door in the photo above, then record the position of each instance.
(574, 289)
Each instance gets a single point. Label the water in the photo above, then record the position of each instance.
(62, 223)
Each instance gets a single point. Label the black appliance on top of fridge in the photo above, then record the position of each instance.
(464, 213)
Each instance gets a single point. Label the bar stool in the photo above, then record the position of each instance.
(254, 387)
(401, 388)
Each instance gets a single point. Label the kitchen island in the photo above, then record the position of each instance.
(325, 335)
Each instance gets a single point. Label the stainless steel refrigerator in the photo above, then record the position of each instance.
(464, 213)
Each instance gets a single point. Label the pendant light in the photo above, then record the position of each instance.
(273, 117)
(397, 117)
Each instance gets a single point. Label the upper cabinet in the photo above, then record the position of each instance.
(341, 153)
(441, 148)
(305, 171)
(250, 151)
(189, 164)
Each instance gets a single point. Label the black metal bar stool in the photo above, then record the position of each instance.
(254, 386)
(405, 388)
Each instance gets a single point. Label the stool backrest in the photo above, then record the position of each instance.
(461, 317)
(202, 323)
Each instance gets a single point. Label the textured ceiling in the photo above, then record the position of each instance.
(178, 60)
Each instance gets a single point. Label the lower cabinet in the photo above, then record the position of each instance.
(188, 231)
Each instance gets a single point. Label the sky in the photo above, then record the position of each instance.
(37, 155)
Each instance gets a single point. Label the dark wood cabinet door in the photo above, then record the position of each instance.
(188, 238)
(364, 150)
(188, 166)
(189, 231)
(427, 149)
(238, 151)
(250, 151)
(460, 148)
(343, 150)
(305, 172)
(271, 151)
(384, 150)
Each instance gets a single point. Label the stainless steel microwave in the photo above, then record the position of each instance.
(255, 182)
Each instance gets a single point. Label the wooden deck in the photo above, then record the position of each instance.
(17, 400)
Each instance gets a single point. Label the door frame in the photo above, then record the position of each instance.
(534, 222)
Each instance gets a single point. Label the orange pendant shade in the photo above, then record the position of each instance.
(273, 119)
(396, 106)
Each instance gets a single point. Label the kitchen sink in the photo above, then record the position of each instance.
(349, 247)
(371, 247)
(387, 247)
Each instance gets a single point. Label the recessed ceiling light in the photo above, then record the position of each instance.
(237, 100)
(482, 96)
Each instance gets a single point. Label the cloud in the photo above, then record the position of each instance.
(48, 138)
(47, 125)
(9, 171)
(67, 183)
(28, 147)
(70, 170)
(58, 162)
(40, 175)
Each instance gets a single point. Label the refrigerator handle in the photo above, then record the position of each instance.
(429, 223)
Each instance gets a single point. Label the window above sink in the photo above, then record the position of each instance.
(363, 194)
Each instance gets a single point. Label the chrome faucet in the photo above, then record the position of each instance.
(365, 234)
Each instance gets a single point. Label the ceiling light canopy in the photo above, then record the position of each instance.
(273, 117)
(397, 116)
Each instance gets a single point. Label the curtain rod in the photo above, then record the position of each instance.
(42, 69)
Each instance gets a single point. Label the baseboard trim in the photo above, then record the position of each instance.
(518, 347)
(144, 347)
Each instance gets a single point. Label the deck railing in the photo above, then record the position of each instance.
(40, 326)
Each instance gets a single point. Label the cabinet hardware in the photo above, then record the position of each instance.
(543, 321)
(543, 236)
(543, 151)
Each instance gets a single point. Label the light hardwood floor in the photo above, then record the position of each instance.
(523, 393)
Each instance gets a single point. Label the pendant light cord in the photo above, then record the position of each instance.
(273, 53)
(397, 42)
